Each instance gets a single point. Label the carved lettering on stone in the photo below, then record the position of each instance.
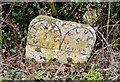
(50, 38)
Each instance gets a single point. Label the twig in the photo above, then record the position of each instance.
(58, 70)
(108, 22)
(65, 6)
(109, 25)
(14, 68)
(109, 49)
(73, 10)
(7, 14)
(11, 57)
(114, 26)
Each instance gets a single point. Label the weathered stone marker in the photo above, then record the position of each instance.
(50, 38)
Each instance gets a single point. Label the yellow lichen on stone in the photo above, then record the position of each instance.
(50, 38)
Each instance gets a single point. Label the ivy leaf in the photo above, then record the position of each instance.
(13, 51)
(82, 78)
(14, 14)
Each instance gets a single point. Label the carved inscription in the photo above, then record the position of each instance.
(50, 38)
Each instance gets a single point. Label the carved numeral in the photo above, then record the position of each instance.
(77, 30)
(89, 38)
(88, 46)
(85, 31)
(78, 40)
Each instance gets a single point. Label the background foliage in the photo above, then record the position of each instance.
(103, 17)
